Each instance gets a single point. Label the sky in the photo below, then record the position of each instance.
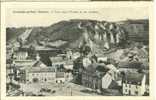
(49, 16)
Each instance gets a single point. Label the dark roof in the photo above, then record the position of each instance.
(79, 60)
(37, 64)
(96, 67)
(96, 70)
(131, 64)
(24, 49)
(46, 60)
(40, 70)
(133, 78)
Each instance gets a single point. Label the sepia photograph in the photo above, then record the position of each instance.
(70, 0)
(58, 51)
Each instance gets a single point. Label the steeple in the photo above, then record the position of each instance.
(37, 57)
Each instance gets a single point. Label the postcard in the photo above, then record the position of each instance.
(82, 51)
(68, 0)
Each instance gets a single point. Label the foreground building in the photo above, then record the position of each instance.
(93, 76)
(39, 72)
(134, 84)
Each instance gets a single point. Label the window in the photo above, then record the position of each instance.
(136, 86)
(129, 86)
(125, 90)
(136, 92)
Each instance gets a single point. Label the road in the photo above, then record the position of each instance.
(66, 89)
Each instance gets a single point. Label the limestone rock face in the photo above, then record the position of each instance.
(71, 34)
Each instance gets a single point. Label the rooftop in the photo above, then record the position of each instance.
(57, 59)
(131, 64)
(133, 78)
(38, 64)
(96, 70)
(43, 48)
(40, 70)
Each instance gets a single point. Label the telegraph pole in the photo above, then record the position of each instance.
(71, 93)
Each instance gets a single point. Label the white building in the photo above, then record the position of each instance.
(75, 55)
(21, 58)
(101, 58)
(106, 81)
(39, 72)
(68, 65)
(69, 54)
(35, 75)
(27, 62)
(134, 84)
(20, 55)
(86, 62)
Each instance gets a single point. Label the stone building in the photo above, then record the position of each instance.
(92, 76)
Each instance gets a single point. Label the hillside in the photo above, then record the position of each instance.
(72, 34)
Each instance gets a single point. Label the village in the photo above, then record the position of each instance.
(42, 71)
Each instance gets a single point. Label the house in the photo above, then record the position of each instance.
(40, 74)
(69, 54)
(76, 55)
(107, 80)
(80, 64)
(133, 84)
(92, 76)
(68, 65)
(86, 61)
(47, 51)
(20, 55)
